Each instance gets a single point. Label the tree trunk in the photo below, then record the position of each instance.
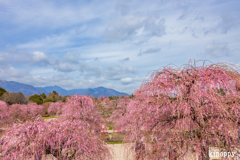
(204, 154)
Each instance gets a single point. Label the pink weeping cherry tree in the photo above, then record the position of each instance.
(110, 103)
(185, 110)
(69, 139)
(120, 111)
(34, 109)
(106, 105)
(55, 108)
(24, 112)
(18, 112)
(71, 136)
(4, 114)
(82, 108)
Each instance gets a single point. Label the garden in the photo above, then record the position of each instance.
(176, 111)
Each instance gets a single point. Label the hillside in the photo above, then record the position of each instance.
(26, 89)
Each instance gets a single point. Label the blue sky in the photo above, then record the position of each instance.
(92, 43)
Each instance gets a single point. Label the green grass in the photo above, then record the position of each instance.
(110, 128)
(115, 142)
(44, 118)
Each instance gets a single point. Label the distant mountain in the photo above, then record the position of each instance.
(77, 91)
(95, 92)
(100, 91)
(12, 86)
(26, 89)
(62, 91)
(58, 89)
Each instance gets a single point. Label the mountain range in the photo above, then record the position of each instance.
(26, 89)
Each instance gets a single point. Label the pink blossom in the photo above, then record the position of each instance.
(186, 109)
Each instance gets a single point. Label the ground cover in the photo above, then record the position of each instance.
(50, 117)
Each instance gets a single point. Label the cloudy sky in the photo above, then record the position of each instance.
(110, 43)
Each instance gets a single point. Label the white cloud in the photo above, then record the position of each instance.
(64, 67)
(71, 58)
(49, 41)
(39, 57)
(118, 72)
(228, 22)
(89, 70)
(132, 70)
(24, 57)
(124, 59)
(45, 14)
(91, 43)
(11, 73)
(133, 27)
(126, 80)
(149, 51)
(217, 49)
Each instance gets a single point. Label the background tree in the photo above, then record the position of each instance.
(53, 97)
(183, 110)
(36, 99)
(47, 100)
(131, 96)
(12, 98)
(64, 98)
(2, 91)
(120, 111)
(106, 105)
(43, 96)
(113, 97)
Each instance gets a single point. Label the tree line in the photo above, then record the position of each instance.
(19, 98)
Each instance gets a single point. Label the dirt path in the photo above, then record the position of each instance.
(118, 154)
(118, 150)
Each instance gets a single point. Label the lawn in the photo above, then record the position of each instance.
(115, 142)
(54, 116)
